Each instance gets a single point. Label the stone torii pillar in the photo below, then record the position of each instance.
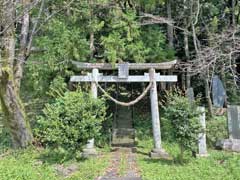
(90, 149)
(158, 151)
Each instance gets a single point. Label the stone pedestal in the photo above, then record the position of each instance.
(229, 145)
(159, 154)
(202, 155)
(89, 151)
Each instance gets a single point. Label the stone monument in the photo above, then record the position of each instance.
(233, 143)
(202, 145)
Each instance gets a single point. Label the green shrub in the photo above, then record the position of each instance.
(182, 118)
(70, 121)
(5, 140)
(216, 129)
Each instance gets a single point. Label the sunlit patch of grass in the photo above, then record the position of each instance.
(91, 168)
(219, 165)
(29, 165)
(23, 164)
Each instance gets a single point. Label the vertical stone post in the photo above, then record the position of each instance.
(233, 113)
(90, 149)
(94, 90)
(233, 143)
(229, 118)
(158, 151)
(202, 145)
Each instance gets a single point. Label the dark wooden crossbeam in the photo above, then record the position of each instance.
(132, 66)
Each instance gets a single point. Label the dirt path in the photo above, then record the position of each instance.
(123, 166)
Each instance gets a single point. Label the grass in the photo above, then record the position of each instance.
(91, 168)
(123, 164)
(33, 164)
(218, 166)
(23, 164)
(29, 165)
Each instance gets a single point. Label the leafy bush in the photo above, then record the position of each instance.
(5, 139)
(70, 121)
(216, 129)
(182, 118)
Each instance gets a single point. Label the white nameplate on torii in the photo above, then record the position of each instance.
(143, 78)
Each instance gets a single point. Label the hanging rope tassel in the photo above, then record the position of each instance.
(144, 93)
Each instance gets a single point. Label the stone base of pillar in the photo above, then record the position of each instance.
(202, 155)
(160, 154)
(232, 145)
(89, 152)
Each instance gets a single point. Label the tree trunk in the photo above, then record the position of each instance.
(92, 38)
(181, 154)
(13, 110)
(208, 94)
(188, 79)
(186, 43)
(15, 118)
(233, 19)
(170, 27)
(233, 13)
(23, 47)
(92, 48)
(186, 47)
(223, 78)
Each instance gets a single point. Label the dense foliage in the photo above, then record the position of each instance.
(216, 130)
(183, 122)
(70, 121)
(38, 41)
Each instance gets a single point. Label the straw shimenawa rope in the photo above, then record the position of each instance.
(144, 93)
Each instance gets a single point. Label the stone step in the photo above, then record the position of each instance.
(123, 137)
(124, 120)
(124, 133)
(123, 143)
(124, 125)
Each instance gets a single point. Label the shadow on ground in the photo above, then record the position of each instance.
(174, 161)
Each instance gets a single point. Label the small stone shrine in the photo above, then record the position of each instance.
(122, 132)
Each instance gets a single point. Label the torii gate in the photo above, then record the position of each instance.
(123, 76)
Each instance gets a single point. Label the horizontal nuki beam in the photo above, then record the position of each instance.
(144, 78)
(132, 66)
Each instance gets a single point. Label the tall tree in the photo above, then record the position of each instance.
(12, 106)
(170, 27)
